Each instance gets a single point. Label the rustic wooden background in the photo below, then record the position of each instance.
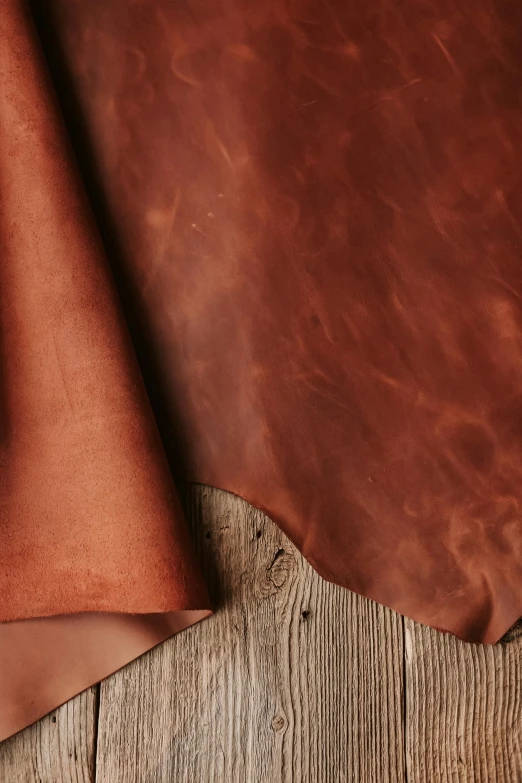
(293, 679)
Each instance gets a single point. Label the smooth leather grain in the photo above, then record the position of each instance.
(313, 211)
(318, 210)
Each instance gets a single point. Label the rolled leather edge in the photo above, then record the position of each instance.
(92, 538)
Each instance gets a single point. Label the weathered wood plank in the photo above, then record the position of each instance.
(463, 709)
(58, 749)
(293, 679)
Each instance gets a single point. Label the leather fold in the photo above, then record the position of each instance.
(91, 532)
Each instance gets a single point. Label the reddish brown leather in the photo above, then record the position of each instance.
(318, 207)
(88, 515)
(314, 210)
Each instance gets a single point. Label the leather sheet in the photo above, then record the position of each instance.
(311, 212)
(91, 536)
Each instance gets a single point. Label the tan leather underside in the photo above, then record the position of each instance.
(44, 662)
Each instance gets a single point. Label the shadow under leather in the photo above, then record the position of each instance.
(167, 418)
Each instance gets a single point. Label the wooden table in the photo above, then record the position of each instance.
(293, 679)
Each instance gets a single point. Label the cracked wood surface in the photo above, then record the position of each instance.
(292, 680)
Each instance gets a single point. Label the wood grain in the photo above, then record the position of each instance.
(464, 709)
(293, 679)
(58, 749)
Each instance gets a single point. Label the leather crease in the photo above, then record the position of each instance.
(317, 209)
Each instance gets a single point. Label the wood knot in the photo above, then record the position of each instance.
(279, 723)
(280, 568)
